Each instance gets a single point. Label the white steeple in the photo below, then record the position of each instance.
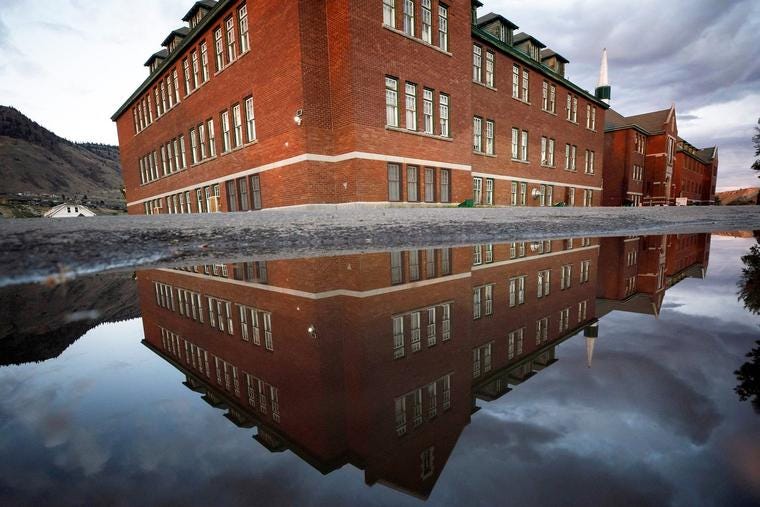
(589, 350)
(603, 90)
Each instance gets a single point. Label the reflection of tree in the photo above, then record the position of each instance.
(749, 378)
(749, 283)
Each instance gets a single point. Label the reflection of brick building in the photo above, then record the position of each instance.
(373, 360)
(637, 270)
(231, 118)
(647, 163)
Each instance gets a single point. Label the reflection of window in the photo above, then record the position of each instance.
(427, 463)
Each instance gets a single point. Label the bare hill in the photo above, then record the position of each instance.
(739, 197)
(35, 160)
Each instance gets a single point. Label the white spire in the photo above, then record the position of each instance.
(603, 77)
(589, 350)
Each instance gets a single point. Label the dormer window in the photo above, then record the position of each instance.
(505, 34)
(533, 51)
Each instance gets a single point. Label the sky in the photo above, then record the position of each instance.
(69, 64)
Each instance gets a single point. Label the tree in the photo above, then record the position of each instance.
(748, 376)
(749, 282)
(756, 142)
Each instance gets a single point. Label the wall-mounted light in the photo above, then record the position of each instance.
(298, 118)
(536, 193)
(312, 331)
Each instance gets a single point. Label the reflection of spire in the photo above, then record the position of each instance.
(591, 332)
(603, 90)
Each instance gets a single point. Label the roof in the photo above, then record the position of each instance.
(179, 32)
(648, 123)
(81, 210)
(522, 37)
(708, 153)
(206, 4)
(160, 54)
(548, 53)
(491, 16)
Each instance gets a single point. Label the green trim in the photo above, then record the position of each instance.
(209, 18)
(546, 71)
(603, 92)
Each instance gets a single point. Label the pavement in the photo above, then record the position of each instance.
(53, 250)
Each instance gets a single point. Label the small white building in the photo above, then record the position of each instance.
(67, 210)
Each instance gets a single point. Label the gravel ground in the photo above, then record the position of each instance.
(33, 250)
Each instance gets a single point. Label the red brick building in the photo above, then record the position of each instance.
(647, 163)
(377, 101)
(374, 360)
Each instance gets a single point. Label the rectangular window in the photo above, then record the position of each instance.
(427, 22)
(444, 114)
(443, 27)
(489, 137)
(477, 190)
(231, 48)
(204, 61)
(567, 275)
(524, 145)
(431, 328)
(544, 283)
(524, 89)
(589, 162)
(219, 49)
(489, 191)
(391, 102)
(523, 193)
(429, 184)
(489, 68)
(193, 147)
(211, 138)
(477, 134)
(476, 303)
(397, 268)
(226, 142)
(488, 297)
(513, 196)
(256, 191)
(389, 13)
(411, 106)
(515, 143)
(516, 81)
(175, 77)
(427, 111)
(202, 140)
(196, 69)
(445, 194)
(409, 17)
(477, 63)
(243, 23)
(412, 174)
(186, 67)
(394, 182)
(250, 121)
(238, 125)
(232, 202)
(414, 265)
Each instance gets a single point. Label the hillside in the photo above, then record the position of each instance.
(739, 197)
(35, 160)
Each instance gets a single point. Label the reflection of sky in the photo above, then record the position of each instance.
(654, 422)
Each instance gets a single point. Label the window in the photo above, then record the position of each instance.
(427, 22)
(219, 49)
(477, 190)
(566, 279)
(391, 102)
(444, 114)
(547, 152)
(515, 342)
(226, 146)
(523, 193)
(250, 121)
(196, 69)
(542, 330)
(389, 13)
(488, 294)
(477, 63)
(515, 143)
(411, 106)
(513, 197)
(256, 191)
(544, 283)
(443, 27)
(231, 48)
(193, 147)
(394, 182)
(412, 174)
(477, 134)
(414, 325)
(477, 255)
(243, 23)
(524, 146)
(570, 196)
(585, 268)
(238, 125)
(582, 307)
(409, 17)
(476, 301)
(175, 78)
(211, 139)
(516, 291)
(564, 320)
(589, 162)
(524, 89)
(202, 140)
(489, 253)
(489, 137)
(445, 175)
(204, 62)
(516, 81)
(489, 191)
(489, 68)
(549, 97)
(590, 117)
(427, 111)
(397, 268)
(429, 184)
(186, 67)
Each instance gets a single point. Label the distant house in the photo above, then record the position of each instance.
(66, 210)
